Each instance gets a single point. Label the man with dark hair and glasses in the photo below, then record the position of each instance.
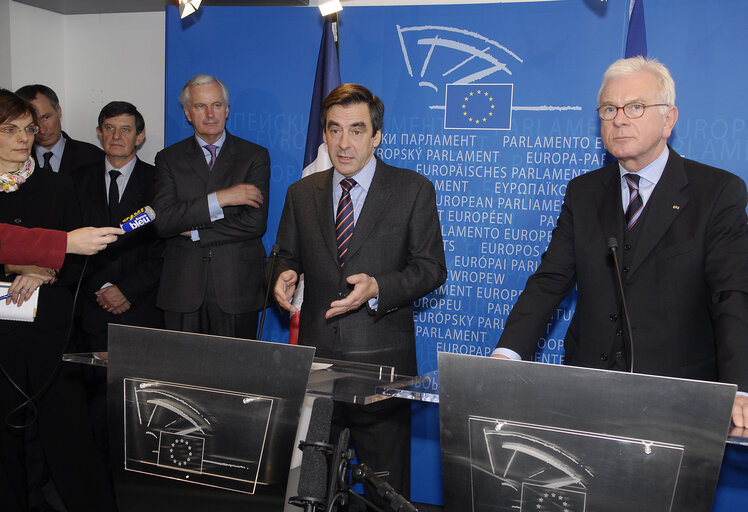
(680, 227)
(54, 150)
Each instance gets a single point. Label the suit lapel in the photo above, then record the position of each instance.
(610, 207)
(374, 206)
(131, 198)
(322, 201)
(68, 155)
(196, 160)
(98, 195)
(223, 163)
(660, 208)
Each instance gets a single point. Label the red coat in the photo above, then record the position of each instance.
(36, 246)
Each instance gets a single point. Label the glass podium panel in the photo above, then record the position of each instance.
(357, 383)
(522, 436)
(738, 436)
(540, 468)
(343, 381)
(422, 388)
(206, 436)
(201, 422)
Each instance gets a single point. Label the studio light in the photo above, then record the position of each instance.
(187, 7)
(330, 7)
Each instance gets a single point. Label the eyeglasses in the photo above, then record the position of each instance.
(10, 131)
(632, 110)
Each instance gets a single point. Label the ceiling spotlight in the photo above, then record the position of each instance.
(187, 7)
(330, 7)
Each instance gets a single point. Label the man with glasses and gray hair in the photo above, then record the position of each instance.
(680, 230)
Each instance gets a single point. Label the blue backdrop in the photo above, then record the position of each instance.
(494, 103)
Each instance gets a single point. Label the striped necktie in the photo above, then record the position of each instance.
(344, 219)
(636, 205)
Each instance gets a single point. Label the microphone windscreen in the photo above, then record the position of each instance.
(313, 473)
(320, 421)
(612, 243)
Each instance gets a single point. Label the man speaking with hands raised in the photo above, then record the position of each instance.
(367, 238)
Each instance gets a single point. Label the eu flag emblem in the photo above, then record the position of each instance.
(479, 106)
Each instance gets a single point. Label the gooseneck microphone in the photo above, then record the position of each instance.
(613, 246)
(313, 474)
(395, 501)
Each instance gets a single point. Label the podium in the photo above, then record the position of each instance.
(219, 414)
(522, 436)
(515, 435)
(200, 422)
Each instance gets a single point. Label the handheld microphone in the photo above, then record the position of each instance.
(613, 246)
(138, 219)
(313, 474)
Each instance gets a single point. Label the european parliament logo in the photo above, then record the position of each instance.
(478, 107)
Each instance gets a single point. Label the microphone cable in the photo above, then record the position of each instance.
(29, 401)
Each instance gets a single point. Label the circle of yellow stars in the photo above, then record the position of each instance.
(477, 94)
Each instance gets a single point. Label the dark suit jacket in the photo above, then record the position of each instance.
(76, 154)
(133, 263)
(30, 352)
(46, 200)
(231, 247)
(397, 240)
(686, 286)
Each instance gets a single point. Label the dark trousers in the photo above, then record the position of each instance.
(210, 319)
(380, 435)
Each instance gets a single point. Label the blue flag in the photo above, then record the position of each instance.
(326, 79)
(636, 39)
(478, 106)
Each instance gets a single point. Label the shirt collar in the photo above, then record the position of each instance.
(218, 143)
(652, 172)
(56, 150)
(362, 177)
(126, 169)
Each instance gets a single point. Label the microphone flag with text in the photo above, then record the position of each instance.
(140, 218)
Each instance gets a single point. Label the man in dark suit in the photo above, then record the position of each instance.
(54, 150)
(121, 282)
(367, 238)
(211, 206)
(681, 229)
